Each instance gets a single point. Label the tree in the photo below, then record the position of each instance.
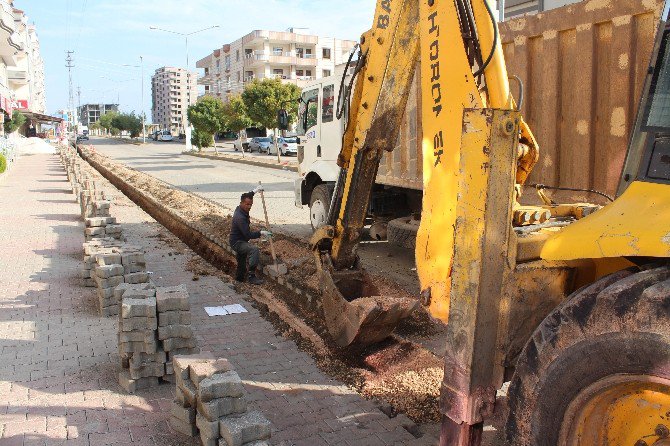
(128, 122)
(15, 123)
(206, 117)
(106, 121)
(200, 139)
(235, 116)
(95, 127)
(263, 100)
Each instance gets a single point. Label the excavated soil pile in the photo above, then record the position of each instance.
(396, 371)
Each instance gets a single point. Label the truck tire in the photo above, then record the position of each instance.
(319, 202)
(401, 232)
(606, 348)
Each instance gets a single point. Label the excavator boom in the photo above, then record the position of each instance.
(462, 67)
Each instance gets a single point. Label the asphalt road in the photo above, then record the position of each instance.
(223, 182)
(219, 181)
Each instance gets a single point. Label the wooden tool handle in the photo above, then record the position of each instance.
(267, 223)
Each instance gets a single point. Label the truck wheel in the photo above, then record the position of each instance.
(597, 370)
(402, 232)
(319, 203)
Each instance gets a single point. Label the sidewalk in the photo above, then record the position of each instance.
(58, 360)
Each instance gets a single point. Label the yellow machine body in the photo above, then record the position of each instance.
(634, 225)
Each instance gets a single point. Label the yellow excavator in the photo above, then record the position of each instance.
(570, 302)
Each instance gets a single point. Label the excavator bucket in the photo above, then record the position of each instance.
(354, 311)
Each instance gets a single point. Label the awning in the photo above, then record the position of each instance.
(42, 118)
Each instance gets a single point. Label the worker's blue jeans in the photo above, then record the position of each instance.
(246, 252)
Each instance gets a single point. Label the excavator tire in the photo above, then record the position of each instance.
(615, 330)
(401, 232)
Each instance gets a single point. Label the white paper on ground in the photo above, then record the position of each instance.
(225, 310)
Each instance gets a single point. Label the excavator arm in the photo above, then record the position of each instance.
(462, 67)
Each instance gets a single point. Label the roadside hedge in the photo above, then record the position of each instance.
(3, 163)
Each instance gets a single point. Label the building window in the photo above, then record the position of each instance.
(326, 73)
(300, 52)
(238, 76)
(277, 51)
(299, 72)
(308, 73)
(237, 55)
(218, 63)
(326, 53)
(227, 62)
(327, 103)
(308, 53)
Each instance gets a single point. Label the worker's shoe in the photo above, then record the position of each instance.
(254, 280)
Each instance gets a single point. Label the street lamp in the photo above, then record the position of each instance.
(187, 126)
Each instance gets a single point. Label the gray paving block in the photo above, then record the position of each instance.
(137, 347)
(108, 259)
(156, 369)
(113, 229)
(175, 343)
(188, 429)
(136, 278)
(94, 231)
(138, 307)
(188, 390)
(221, 385)
(174, 318)
(134, 268)
(174, 331)
(221, 407)
(185, 414)
(112, 310)
(110, 282)
(200, 370)
(132, 385)
(181, 363)
(107, 271)
(252, 426)
(144, 336)
(210, 429)
(142, 359)
(133, 258)
(172, 298)
(138, 323)
(106, 294)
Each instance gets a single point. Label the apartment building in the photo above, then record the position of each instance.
(293, 56)
(90, 113)
(172, 91)
(21, 65)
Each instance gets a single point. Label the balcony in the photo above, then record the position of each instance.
(259, 36)
(259, 58)
(19, 77)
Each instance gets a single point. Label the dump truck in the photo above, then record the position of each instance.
(583, 117)
(568, 301)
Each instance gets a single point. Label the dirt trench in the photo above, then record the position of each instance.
(403, 376)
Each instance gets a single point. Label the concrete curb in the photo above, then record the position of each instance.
(243, 161)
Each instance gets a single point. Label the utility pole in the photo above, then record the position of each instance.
(69, 64)
(144, 132)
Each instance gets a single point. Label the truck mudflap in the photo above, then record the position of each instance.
(354, 311)
(297, 192)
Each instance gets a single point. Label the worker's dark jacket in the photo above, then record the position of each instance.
(239, 231)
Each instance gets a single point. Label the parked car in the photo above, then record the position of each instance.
(261, 144)
(165, 135)
(154, 135)
(287, 146)
(82, 138)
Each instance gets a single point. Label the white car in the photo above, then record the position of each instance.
(287, 146)
(165, 136)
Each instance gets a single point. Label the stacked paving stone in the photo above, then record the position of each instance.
(109, 265)
(142, 361)
(154, 325)
(209, 401)
(174, 324)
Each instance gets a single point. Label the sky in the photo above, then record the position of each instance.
(109, 36)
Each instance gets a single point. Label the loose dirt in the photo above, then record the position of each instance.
(397, 371)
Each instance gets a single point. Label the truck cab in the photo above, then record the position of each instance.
(319, 134)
